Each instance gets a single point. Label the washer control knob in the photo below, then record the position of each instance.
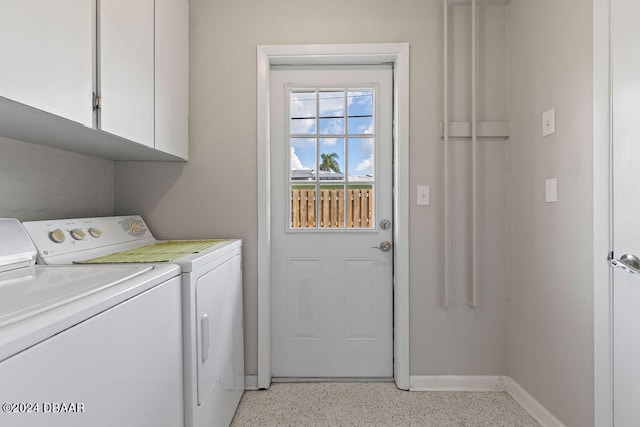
(57, 235)
(95, 232)
(78, 234)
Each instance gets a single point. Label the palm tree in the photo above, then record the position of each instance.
(329, 162)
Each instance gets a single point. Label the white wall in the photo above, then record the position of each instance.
(38, 182)
(550, 275)
(215, 193)
(462, 340)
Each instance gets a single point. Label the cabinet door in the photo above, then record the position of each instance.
(47, 51)
(126, 75)
(172, 76)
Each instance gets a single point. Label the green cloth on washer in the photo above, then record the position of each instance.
(159, 252)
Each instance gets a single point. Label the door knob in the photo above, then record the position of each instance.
(384, 246)
(627, 262)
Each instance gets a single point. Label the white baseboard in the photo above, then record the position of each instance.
(251, 382)
(457, 383)
(531, 405)
(486, 383)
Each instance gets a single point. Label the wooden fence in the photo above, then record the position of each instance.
(358, 204)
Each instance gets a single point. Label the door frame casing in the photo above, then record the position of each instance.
(338, 54)
(602, 220)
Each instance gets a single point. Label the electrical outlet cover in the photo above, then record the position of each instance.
(423, 195)
(551, 190)
(549, 122)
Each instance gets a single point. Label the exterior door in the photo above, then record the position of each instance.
(331, 221)
(625, 52)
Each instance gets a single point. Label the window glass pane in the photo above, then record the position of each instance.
(303, 206)
(303, 112)
(332, 175)
(331, 206)
(360, 206)
(303, 159)
(360, 125)
(361, 159)
(303, 126)
(360, 109)
(331, 161)
(331, 113)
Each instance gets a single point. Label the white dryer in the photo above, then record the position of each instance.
(87, 345)
(211, 299)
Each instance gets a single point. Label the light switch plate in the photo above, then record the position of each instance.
(549, 122)
(551, 190)
(423, 195)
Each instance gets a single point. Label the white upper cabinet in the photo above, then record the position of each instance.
(47, 56)
(134, 55)
(126, 69)
(172, 76)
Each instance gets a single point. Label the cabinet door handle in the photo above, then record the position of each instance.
(204, 337)
(95, 102)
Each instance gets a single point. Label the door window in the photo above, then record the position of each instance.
(331, 138)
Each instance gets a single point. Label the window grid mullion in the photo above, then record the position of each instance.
(318, 217)
(346, 158)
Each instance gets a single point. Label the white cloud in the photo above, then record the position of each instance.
(328, 142)
(364, 129)
(332, 126)
(365, 166)
(303, 105)
(331, 103)
(296, 164)
(361, 98)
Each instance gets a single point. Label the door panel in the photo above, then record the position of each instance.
(305, 287)
(361, 286)
(331, 183)
(626, 209)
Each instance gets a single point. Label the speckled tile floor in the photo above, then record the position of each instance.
(375, 404)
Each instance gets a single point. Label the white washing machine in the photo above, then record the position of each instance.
(87, 345)
(211, 299)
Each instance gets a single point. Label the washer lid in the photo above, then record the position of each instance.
(16, 248)
(27, 292)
